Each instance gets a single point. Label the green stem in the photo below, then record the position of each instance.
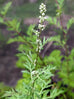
(32, 81)
(65, 46)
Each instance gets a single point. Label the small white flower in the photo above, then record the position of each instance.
(43, 14)
(37, 40)
(41, 27)
(42, 8)
(36, 32)
(41, 20)
(34, 72)
(41, 11)
(40, 47)
(40, 16)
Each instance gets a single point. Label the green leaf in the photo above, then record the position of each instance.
(55, 93)
(70, 22)
(1, 20)
(54, 38)
(5, 8)
(11, 40)
(18, 26)
(25, 71)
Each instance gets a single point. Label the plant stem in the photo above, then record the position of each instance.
(65, 46)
